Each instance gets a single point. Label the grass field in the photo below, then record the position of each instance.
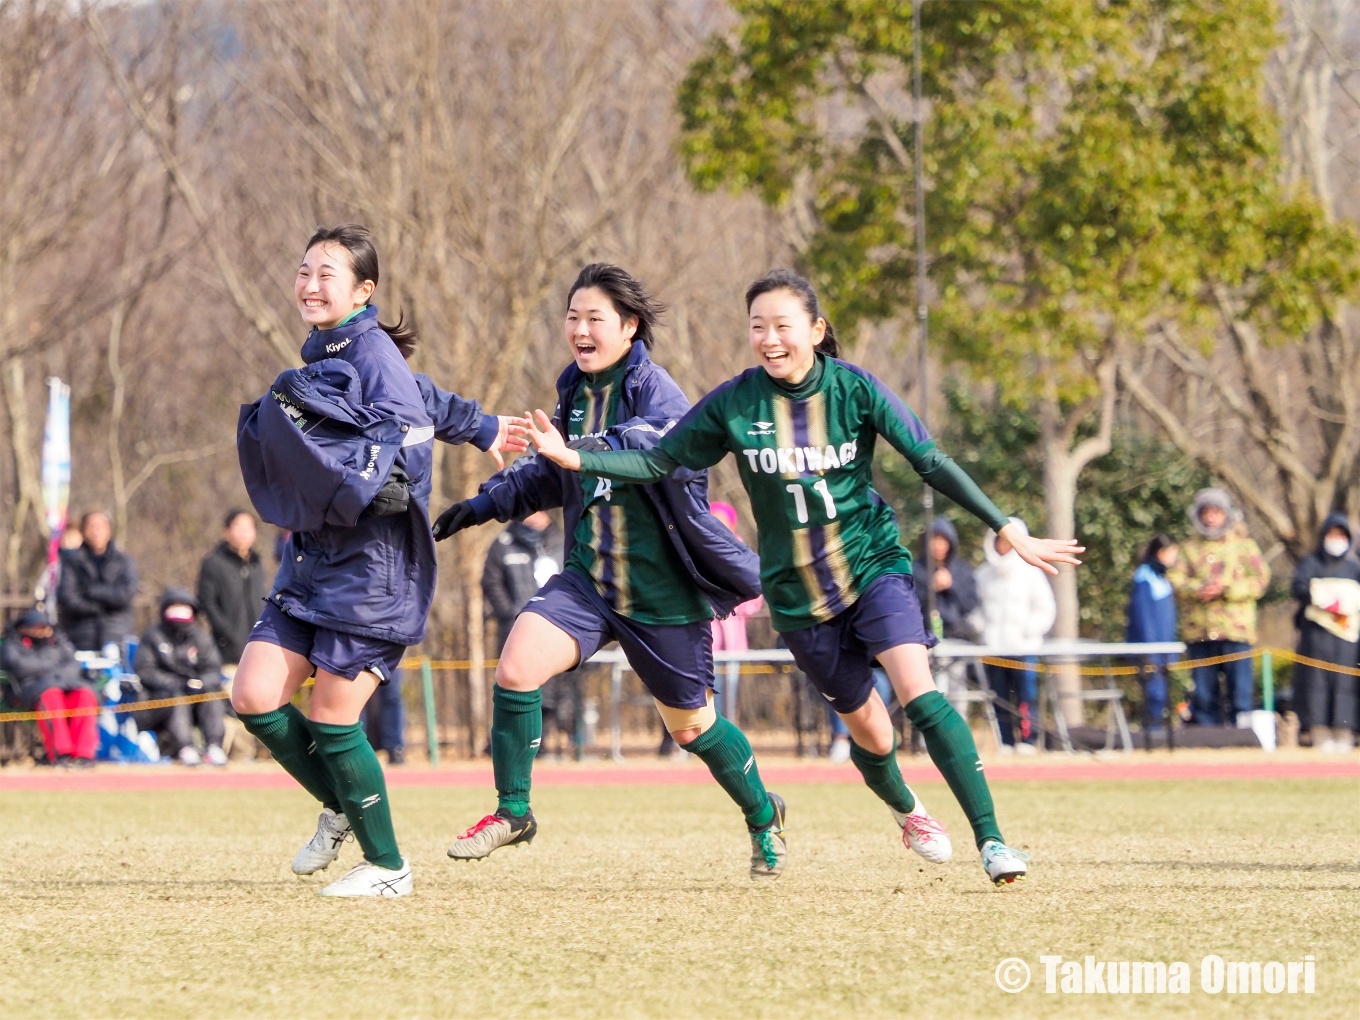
(634, 901)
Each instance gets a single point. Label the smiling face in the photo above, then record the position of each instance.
(326, 290)
(783, 336)
(597, 335)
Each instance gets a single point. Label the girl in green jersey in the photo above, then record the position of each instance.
(803, 426)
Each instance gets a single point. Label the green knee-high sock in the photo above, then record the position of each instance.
(951, 748)
(882, 775)
(363, 790)
(516, 729)
(289, 739)
(728, 755)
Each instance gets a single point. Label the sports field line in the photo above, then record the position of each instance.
(143, 778)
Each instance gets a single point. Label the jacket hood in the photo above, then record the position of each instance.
(1012, 558)
(1335, 521)
(178, 596)
(944, 527)
(327, 343)
(1221, 499)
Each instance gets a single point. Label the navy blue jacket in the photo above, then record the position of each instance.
(315, 450)
(720, 564)
(1152, 609)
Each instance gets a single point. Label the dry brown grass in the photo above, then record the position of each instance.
(634, 901)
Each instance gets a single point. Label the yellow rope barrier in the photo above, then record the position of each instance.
(746, 667)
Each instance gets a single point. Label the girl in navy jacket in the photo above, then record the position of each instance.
(645, 565)
(339, 453)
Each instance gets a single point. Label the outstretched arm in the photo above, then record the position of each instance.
(896, 423)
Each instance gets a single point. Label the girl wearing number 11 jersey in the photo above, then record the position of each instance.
(803, 426)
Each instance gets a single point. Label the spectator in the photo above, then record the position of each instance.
(519, 562)
(176, 657)
(1327, 587)
(729, 635)
(517, 565)
(1219, 577)
(1018, 609)
(43, 664)
(955, 587)
(1152, 617)
(97, 586)
(384, 719)
(231, 586)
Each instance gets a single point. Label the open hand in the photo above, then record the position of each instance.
(1042, 552)
(544, 435)
(509, 436)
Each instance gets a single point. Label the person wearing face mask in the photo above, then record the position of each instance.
(177, 657)
(1327, 588)
(1220, 577)
(42, 662)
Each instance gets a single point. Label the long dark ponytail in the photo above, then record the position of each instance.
(629, 297)
(787, 279)
(363, 262)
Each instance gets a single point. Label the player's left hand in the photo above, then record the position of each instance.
(510, 435)
(1042, 552)
(544, 435)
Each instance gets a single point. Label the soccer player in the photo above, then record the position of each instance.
(339, 452)
(646, 565)
(803, 426)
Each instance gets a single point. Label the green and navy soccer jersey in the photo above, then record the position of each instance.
(806, 454)
(621, 543)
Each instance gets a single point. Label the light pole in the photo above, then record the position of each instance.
(922, 410)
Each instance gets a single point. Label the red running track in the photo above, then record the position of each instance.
(113, 778)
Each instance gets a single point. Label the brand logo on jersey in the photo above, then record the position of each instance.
(578, 414)
(603, 487)
(791, 460)
(762, 428)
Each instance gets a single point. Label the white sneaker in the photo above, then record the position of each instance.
(840, 750)
(188, 756)
(366, 879)
(1004, 865)
(923, 834)
(214, 755)
(332, 829)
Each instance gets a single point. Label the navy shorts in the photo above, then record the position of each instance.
(674, 662)
(345, 655)
(838, 655)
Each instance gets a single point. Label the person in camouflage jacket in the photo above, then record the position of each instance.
(1220, 577)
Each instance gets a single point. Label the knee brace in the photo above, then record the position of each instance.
(678, 719)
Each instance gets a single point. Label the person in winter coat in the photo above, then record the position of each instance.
(1152, 617)
(647, 565)
(97, 586)
(956, 594)
(1327, 588)
(177, 657)
(42, 662)
(1018, 609)
(231, 586)
(518, 563)
(1220, 577)
(339, 453)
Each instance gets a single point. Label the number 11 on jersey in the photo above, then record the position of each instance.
(800, 499)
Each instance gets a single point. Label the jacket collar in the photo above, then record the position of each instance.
(571, 376)
(327, 343)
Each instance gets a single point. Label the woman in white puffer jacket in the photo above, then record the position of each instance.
(1018, 609)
